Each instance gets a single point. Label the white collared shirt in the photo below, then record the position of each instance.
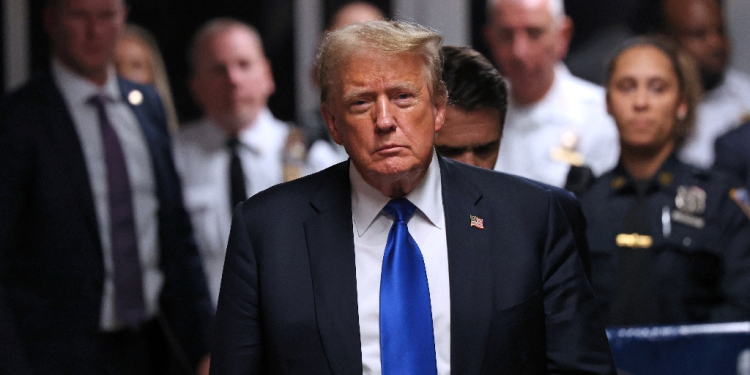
(202, 158)
(76, 91)
(427, 227)
(532, 132)
(721, 110)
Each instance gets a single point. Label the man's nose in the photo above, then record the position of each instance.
(520, 46)
(383, 114)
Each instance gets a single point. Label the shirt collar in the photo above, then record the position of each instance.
(623, 182)
(368, 202)
(254, 137)
(78, 90)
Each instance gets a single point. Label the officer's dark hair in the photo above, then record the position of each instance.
(473, 82)
(684, 68)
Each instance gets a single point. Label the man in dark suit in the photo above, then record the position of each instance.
(478, 272)
(733, 154)
(474, 120)
(99, 273)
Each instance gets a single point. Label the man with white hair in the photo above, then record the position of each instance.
(555, 121)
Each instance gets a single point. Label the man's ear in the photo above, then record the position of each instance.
(270, 81)
(564, 36)
(330, 120)
(682, 110)
(439, 113)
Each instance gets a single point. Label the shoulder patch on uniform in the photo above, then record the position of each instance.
(742, 198)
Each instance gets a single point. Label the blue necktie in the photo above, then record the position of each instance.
(407, 343)
(129, 303)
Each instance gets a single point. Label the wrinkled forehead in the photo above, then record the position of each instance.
(371, 63)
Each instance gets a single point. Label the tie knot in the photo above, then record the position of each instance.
(232, 143)
(401, 209)
(97, 99)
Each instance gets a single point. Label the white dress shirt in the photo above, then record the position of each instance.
(202, 158)
(427, 227)
(721, 110)
(76, 91)
(571, 107)
(323, 154)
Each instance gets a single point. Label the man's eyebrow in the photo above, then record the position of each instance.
(355, 92)
(446, 148)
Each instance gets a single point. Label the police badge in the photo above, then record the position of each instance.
(690, 203)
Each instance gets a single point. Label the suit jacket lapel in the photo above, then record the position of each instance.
(470, 271)
(69, 149)
(330, 243)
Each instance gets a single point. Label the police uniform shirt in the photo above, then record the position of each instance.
(668, 250)
(323, 154)
(541, 141)
(202, 160)
(721, 110)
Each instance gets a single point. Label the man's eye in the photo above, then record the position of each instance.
(535, 33)
(448, 152)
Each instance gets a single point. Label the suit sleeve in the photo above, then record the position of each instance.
(576, 339)
(735, 281)
(16, 163)
(728, 157)
(237, 335)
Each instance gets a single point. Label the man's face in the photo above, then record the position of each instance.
(471, 137)
(134, 60)
(232, 79)
(382, 111)
(698, 26)
(527, 43)
(83, 33)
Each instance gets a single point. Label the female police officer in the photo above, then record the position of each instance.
(669, 242)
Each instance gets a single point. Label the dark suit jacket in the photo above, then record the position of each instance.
(733, 153)
(520, 303)
(51, 263)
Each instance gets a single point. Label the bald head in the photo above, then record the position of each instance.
(354, 13)
(527, 39)
(698, 27)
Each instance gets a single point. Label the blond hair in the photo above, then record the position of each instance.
(386, 37)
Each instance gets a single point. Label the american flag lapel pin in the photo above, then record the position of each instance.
(477, 222)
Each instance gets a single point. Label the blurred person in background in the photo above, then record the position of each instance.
(733, 153)
(698, 27)
(555, 121)
(324, 152)
(99, 273)
(238, 148)
(669, 242)
(474, 121)
(138, 59)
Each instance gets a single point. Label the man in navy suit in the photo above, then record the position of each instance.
(733, 154)
(305, 273)
(99, 273)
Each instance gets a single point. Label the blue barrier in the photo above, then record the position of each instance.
(706, 349)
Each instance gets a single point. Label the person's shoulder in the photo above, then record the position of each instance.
(601, 187)
(738, 138)
(290, 197)
(579, 88)
(192, 132)
(488, 180)
(31, 93)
